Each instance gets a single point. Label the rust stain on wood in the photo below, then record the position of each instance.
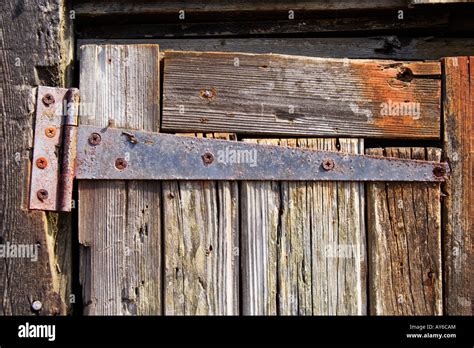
(458, 226)
(280, 94)
(401, 104)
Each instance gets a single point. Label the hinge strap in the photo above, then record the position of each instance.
(63, 151)
(120, 154)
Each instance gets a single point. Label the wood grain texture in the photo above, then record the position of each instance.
(267, 23)
(458, 204)
(123, 7)
(120, 222)
(290, 95)
(201, 248)
(404, 242)
(40, 57)
(303, 244)
(423, 2)
(381, 47)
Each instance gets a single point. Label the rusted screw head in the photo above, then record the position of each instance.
(48, 99)
(36, 305)
(41, 163)
(328, 164)
(439, 171)
(207, 158)
(50, 132)
(120, 163)
(95, 139)
(208, 93)
(42, 194)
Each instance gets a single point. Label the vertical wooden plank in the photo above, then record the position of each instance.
(119, 222)
(260, 214)
(36, 41)
(201, 246)
(294, 245)
(458, 204)
(303, 244)
(404, 236)
(351, 241)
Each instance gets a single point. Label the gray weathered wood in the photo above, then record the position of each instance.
(404, 242)
(119, 222)
(201, 234)
(35, 49)
(458, 210)
(291, 95)
(303, 244)
(381, 47)
(260, 210)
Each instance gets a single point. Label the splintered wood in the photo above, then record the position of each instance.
(201, 245)
(458, 208)
(303, 244)
(404, 242)
(304, 96)
(120, 222)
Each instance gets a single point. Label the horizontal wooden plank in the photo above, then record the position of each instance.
(292, 95)
(169, 26)
(423, 2)
(117, 7)
(377, 47)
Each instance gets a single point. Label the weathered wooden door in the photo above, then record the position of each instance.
(275, 248)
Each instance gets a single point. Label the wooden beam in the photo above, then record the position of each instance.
(458, 214)
(40, 57)
(124, 7)
(404, 242)
(430, 2)
(120, 222)
(170, 26)
(201, 248)
(303, 244)
(377, 47)
(291, 95)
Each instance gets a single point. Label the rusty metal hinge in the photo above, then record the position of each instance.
(52, 171)
(63, 151)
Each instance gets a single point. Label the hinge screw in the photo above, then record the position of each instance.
(439, 171)
(95, 139)
(48, 99)
(208, 93)
(120, 163)
(328, 164)
(41, 163)
(42, 195)
(36, 305)
(50, 132)
(207, 158)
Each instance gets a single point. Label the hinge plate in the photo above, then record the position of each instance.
(52, 171)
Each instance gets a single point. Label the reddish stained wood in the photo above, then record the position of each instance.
(458, 150)
(291, 95)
